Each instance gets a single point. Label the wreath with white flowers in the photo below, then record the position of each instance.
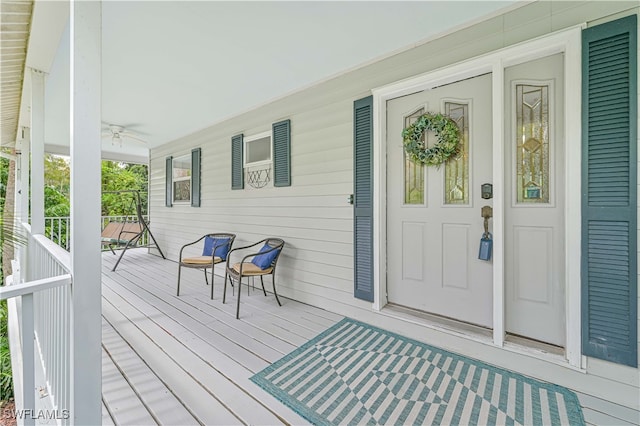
(446, 131)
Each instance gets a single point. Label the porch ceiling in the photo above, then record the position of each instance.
(172, 68)
(15, 20)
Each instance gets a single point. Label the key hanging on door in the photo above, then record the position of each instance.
(486, 242)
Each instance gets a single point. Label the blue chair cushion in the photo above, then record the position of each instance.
(263, 261)
(221, 244)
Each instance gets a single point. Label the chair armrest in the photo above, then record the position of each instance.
(189, 244)
(262, 252)
(243, 248)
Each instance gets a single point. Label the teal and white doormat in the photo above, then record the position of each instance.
(354, 373)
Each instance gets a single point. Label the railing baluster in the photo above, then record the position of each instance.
(28, 369)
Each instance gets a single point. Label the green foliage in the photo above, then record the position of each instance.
(6, 233)
(4, 178)
(118, 177)
(56, 204)
(54, 198)
(6, 378)
(57, 173)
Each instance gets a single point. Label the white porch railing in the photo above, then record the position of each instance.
(58, 229)
(40, 326)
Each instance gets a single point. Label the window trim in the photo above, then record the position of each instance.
(252, 138)
(174, 160)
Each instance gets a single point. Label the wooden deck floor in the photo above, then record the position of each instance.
(187, 360)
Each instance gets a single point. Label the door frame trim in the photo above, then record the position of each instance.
(566, 41)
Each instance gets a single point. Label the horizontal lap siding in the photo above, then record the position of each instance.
(313, 215)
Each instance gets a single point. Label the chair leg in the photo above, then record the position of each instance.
(262, 282)
(179, 268)
(205, 276)
(239, 292)
(213, 277)
(224, 291)
(273, 280)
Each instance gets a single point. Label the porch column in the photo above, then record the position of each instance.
(22, 198)
(23, 185)
(37, 152)
(85, 115)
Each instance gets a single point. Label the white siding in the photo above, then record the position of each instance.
(313, 215)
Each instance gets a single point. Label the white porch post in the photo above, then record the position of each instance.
(23, 186)
(85, 114)
(37, 152)
(22, 199)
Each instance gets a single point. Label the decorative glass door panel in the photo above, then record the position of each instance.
(532, 143)
(456, 170)
(413, 172)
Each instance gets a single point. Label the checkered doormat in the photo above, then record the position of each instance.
(354, 373)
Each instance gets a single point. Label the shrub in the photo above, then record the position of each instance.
(6, 379)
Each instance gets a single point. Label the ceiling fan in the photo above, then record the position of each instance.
(118, 133)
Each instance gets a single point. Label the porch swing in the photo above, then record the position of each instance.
(128, 232)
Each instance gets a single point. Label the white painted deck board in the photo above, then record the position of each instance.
(197, 366)
(122, 402)
(106, 417)
(283, 323)
(601, 412)
(204, 406)
(187, 330)
(197, 355)
(594, 417)
(209, 321)
(155, 396)
(200, 353)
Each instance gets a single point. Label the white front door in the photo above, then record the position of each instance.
(534, 200)
(434, 222)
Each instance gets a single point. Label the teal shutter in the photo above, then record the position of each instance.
(363, 197)
(609, 204)
(168, 198)
(195, 177)
(237, 172)
(282, 153)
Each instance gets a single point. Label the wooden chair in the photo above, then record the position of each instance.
(216, 249)
(263, 262)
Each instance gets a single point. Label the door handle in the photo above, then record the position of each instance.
(487, 213)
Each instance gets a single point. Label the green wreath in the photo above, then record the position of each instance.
(446, 131)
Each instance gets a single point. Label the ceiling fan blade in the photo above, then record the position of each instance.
(134, 137)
